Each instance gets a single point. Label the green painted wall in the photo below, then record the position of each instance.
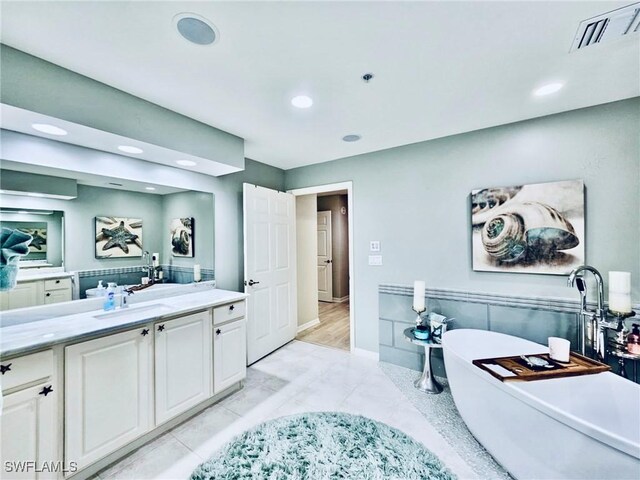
(415, 200)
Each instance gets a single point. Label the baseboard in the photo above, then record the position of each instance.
(361, 352)
(309, 324)
(341, 300)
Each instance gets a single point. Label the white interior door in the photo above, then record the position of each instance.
(325, 260)
(269, 269)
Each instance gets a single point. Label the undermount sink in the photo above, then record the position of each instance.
(154, 309)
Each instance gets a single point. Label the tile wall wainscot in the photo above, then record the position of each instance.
(132, 276)
(533, 318)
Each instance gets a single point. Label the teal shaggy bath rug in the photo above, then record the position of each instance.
(323, 446)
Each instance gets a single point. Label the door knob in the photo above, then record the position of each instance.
(251, 283)
(328, 261)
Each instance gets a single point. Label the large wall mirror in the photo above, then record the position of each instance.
(47, 229)
(177, 224)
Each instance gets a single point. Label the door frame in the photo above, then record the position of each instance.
(348, 186)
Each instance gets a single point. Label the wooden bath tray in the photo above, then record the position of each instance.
(518, 370)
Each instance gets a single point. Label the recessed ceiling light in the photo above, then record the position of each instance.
(351, 138)
(149, 188)
(196, 29)
(129, 149)
(301, 101)
(548, 89)
(50, 129)
(186, 163)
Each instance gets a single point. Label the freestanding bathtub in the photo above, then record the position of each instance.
(585, 427)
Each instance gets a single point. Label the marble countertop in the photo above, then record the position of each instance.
(34, 276)
(36, 335)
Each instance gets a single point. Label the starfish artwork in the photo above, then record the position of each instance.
(39, 240)
(118, 237)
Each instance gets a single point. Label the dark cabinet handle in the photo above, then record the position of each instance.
(161, 327)
(48, 294)
(145, 332)
(218, 332)
(46, 390)
(232, 307)
(5, 368)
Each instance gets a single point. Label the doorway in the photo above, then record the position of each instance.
(325, 265)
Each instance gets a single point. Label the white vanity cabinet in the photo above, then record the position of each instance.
(28, 422)
(31, 293)
(182, 364)
(229, 345)
(108, 394)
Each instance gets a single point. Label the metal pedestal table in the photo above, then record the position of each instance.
(427, 382)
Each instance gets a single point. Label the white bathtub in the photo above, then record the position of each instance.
(585, 427)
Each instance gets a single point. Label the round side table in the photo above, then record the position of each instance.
(427, 382)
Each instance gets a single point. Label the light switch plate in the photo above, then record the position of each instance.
(375, 260)
(374, 246)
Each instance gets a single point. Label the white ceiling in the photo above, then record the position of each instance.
(441, 68)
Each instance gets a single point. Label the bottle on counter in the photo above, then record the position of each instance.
(100, 289)
(633, 340)
(110, 300)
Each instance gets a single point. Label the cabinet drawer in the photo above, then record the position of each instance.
(29, 368)
(228, 312)
(57, 284)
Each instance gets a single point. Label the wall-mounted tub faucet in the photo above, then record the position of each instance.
(595, 317)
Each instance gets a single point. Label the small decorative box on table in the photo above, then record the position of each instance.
(539, 367)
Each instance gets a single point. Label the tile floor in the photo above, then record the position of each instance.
(299, 377)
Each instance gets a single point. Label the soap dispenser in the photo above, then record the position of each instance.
(633, 340)
(101, 289)
(110, 300)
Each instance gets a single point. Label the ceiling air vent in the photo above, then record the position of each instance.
(608, 27)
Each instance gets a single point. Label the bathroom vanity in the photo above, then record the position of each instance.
(87, 388)
(38, 288)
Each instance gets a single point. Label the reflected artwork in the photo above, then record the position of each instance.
(181, 231)
(39, 239)
(118, 237)
(536, 228)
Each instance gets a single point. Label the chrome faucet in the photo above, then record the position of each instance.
(596, 317)
(149, 268)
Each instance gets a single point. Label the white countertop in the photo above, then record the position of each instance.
(36, 275)
(32, 336)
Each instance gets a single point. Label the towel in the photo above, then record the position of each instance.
(13, 245)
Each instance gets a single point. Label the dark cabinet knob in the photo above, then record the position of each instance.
(5, 368)
(232, 307)
(218, 332)
(145, 332)
(46, 390)
(57, 281)
(48, 294)
(161, 328)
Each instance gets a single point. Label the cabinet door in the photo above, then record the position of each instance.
(229, 354)
(107, 393)
(25, 295)
(28, 432)
(183, 364)
(57, 296)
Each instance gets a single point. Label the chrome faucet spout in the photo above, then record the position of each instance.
(598, 317)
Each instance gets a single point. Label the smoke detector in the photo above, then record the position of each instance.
(608, 27)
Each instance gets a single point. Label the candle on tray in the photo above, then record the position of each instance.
(196, 273)
(418, 296)
(620, 292)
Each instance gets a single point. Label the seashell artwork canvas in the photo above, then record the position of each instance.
(182, 235)
(536, 228)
